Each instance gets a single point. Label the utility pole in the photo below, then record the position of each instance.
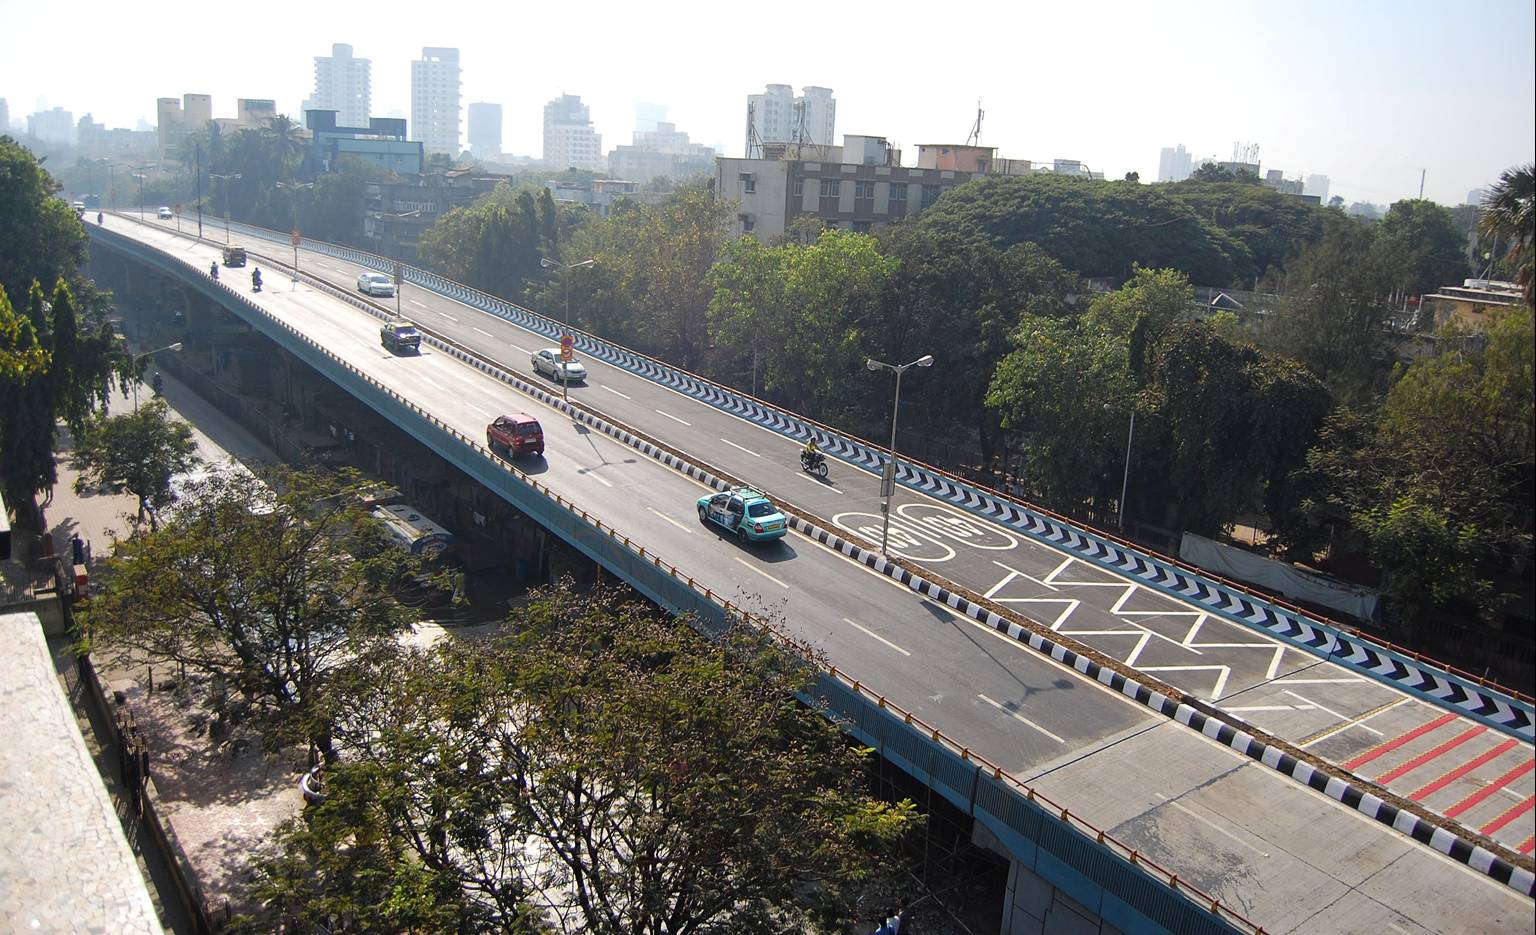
(199, 190)
(1422, 173)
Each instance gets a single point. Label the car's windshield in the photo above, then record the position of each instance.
(763, 508)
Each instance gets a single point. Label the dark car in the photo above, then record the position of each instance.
(234, 256)
(401, 337)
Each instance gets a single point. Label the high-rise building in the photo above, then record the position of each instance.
(778, 117)
(254, 111)
(435, 100)
(5, 117)
(1174, 165)
(485, 129)
(53, 126)
(569, 139)
(196, 110)
(1317, 185)
(168, 124)
(343, 84)
(665, 150)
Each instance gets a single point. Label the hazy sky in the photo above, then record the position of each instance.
(1367, 93)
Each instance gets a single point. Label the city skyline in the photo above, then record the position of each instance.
(1347, 100)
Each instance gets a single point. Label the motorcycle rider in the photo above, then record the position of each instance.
(157, 383)
(810, 455)
(213, 270)
(256, 279)
(98, 218)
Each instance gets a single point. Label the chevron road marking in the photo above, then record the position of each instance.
(1221, 678)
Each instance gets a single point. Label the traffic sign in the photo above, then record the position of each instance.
(296, 237)
(399, 274)
(567, 347)
(888, 479)
(177, 209)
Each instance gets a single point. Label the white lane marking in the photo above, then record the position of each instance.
(415, 303)
(516, 348)
(1337, 728)
(732, 444)
(1285, 681)
(1343, 717)
(588, 472)
(484, 332)
(1222, 672)
(869, 632)
(431, 382)
(1272, 707)
(672, 417)
(746, 564)
(449, 317)
(484, 412)
(614, 391)
(1019, 717)
(1212, 825)
(670, 520)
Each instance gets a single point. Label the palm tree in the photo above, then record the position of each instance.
(286, 139)
(1509, 213)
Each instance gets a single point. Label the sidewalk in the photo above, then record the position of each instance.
(221, 802)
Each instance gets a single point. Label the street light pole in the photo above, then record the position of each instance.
(565, 282)
(1125, 480)
(225, 177)
(888, 477)
(135, 368)
(295, 185)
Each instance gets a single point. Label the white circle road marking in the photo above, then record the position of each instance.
(958, 526)
(904, 540)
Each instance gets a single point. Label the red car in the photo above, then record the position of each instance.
(513, 435)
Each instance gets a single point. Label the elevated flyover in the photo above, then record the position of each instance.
(1221, 821)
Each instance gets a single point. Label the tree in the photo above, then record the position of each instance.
(1334, 300)
(613, 770)
(41, 240)
(20, 354)
(1093, 228)
(269, 588)
(1509, 213)
(140, 452)
(1274, 227)
(1133, 176)
(1423, 247)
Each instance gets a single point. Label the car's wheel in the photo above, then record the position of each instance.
(703, 514)
(741, 536)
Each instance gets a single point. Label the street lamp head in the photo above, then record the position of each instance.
(871, 364)
(925, 361)
(544, 262)
(174, 347)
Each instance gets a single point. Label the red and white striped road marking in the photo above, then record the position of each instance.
(1398, 741)
(1432, 754)
(1510, 814)
(1490, 789)
(1419, 794)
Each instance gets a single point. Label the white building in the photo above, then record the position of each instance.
(5, 117)
(343, 84)
(569, 139)
(1317, 185)
(1174, 165)
(778, 117)
(485, 129)
(666, 150)
(53, 126)
(435, 100)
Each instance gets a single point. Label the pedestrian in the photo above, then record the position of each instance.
(77, 549)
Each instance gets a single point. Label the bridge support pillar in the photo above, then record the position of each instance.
(1032, 906)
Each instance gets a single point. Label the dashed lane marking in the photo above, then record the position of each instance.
(736, 446)
(614, 391)
(1019, 717)
(671, 520)
(868, 632)
(483, 331)
(746, 564)
(672, 417)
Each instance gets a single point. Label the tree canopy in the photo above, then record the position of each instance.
(139, 451)
(1093, 228)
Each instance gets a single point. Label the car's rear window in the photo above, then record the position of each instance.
(761, 509)
(528, 428)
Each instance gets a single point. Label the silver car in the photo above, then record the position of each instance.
(376, 284)
(547, 361)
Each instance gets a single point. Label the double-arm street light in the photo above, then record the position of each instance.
(225, 177)
(295, 225)
(888, 478)
(565, 281)
(135, 367)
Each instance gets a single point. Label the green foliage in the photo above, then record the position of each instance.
(21, 354)
(41, 239)
(140, 452)
(1274, 228)
(1219, 425)
(1427, 559)
(269, 589)
(1093, 228)
(1509, 213)
(675, 785)
(1335, 299)
(1423, 246)
(495, 244)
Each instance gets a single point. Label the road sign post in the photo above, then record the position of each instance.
(399, 281)
(567, 353)
(296, 237)
(177, 210)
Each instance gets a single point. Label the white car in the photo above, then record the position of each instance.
(164, 213)
(547, 361)
(376, 284)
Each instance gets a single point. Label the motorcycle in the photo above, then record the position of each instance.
(158, 384)
(213, 270)
(256, 281)
(814, 463)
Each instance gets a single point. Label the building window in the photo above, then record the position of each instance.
(747, 223)
(898, 195)
(861, 227)
(930, 195)
(864, 190)
(798, 189)
(830, 188)
(748, 182)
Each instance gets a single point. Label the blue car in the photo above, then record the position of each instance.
(746, 513)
